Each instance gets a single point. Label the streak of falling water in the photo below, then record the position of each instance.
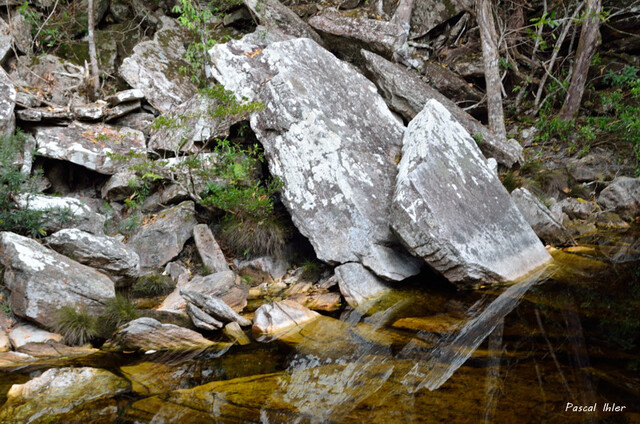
(452, 352)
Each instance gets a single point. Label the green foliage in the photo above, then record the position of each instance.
(195, 19)
(47, 32)
(247, 236)
(555, 127)
(13, 183)
(153, 285)
(227, 103)
(76, 326)
(117, 311)
(510, 181)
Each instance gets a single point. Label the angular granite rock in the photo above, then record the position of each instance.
(407, 94)
(201, 319)
(42, 281)
(274, 318)
(63, 212)
(358, 285)
(194, 122)
(5, 40)
(22, 334)
(214, 306)
(273, 14)
(210, 253)
(622, 196)
(117, 188)
(450, 209)
(428, 14)
(150, 334)
(331, 139)
(89, 145)
(65, 395)
(348, 35)
(154, 68)
(106, 254)
(55, 78)
(7, 104)
(163, 239)
(540, 218)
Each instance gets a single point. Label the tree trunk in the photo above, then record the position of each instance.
(589, 41)
(94, 78)
(491, 59)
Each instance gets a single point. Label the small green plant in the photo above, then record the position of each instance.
(153, 285)
(117, 311)
(510, 181)
(311, 270)
(76, 326)
(477, 137)
(249, 237)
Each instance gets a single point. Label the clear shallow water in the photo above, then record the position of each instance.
(425, 353)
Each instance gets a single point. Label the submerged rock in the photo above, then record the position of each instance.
(407, 94)
(540, 218)
(277, 317)
(89, 145)
(150, 334)
(235, 333)
(63, 212)
(154, 68)
(331, 139)
(65, 395)
(450, 209)
(622, 196)
(106, 254)
(163, 239)
(41, 281)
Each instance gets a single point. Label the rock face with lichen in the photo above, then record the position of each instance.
(42, 281)
(154, 68)
(450, 209)
(331, 139)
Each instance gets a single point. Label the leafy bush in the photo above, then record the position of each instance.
(76, 326)
(13, 183)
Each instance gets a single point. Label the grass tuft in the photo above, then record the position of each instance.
(76, 326)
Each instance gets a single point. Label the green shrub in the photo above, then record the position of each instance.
(153, 285)
(76, 326)
(117, 311)
(510, 181)
(13, 183)
(311, 270)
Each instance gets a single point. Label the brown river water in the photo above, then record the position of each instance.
(561, 346)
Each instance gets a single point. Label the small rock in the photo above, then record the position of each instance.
(266, 267)
(118, 187)
(210, 253)
(593, 167)
(277, 317)
(54, 349)
(124, 96)
(140, 121)
(22, 334)
(327, 302)
(44, 114)
(21, 33)
(273, 14)
(235, 333)
(540, 218)
(214, 306)
(150, 334)
(622, 196)
(163, 239)
(122, 110)
(201, 319)
(89, 112)
(358, 285)
(5, 343)
(577, 208)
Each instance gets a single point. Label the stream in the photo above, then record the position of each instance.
(569, 334)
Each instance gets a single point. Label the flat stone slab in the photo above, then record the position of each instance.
(89, 145)
(450, 209)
